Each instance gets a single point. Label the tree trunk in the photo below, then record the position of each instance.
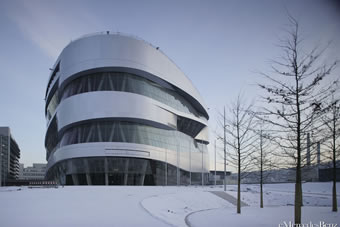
(261, 193)
(239, 166)
(298, 187)
(261, 173)
(298, 198)
(334, 203)
(239, 186)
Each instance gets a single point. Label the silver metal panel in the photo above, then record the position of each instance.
(113, 149)
(203, 135)
(111, 104)
(122, 51)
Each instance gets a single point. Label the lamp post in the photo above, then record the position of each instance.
(215, 164)
(224, 149)
(218, 138)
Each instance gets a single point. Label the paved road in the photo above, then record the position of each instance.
(231, 199)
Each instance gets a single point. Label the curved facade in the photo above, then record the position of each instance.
(119, 112)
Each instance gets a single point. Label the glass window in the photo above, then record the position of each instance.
(130, 132)
(127, 82)
(52, 105)
(51, 142)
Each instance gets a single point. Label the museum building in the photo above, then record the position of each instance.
(120, 112)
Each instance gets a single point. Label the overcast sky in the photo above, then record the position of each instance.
(219, 45)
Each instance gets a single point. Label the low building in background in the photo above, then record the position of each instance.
(35, 172)
(9, 156)
(311, 173)
(326, 171)
(219, 176)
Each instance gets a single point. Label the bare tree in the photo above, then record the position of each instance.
(263, 158)
(331, 120)
(294, 96)
(239, 139)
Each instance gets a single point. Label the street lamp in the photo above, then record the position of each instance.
(218, 138)
(224, 150)
(215, 164)
(202, 174)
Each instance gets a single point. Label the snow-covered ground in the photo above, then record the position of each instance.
(161, 206)
(314, 194)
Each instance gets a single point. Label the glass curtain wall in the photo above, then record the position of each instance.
(120, 171)
(127, 82)
(129, 132)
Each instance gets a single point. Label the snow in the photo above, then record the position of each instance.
(76, 206)
(160, 206)
(173, 208)
(314, 194)
(266, 217)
